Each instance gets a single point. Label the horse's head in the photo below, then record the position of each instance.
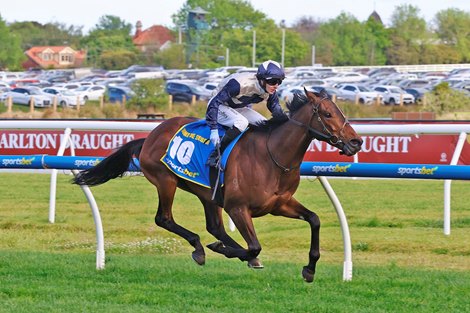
(325, 121)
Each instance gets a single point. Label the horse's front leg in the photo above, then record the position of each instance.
(294, 209)
(241, 217)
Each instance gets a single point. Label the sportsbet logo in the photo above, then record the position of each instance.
(18, 161)
(85, 163)
(331, 168)
(417, 170)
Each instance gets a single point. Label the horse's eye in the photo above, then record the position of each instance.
(327, 114)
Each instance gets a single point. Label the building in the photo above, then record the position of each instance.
(54, 57)
(376, 17)
(152, 39)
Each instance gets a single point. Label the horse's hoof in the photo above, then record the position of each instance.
(308, 274)
(216, 246)
(255, 263)
(199, 258)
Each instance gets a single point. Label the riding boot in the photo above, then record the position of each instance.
(230, 134)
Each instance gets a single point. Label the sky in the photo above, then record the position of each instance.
(86, 13)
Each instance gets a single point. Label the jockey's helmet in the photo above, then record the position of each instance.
(270, 70)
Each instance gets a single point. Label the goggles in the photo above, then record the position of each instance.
(273, 81)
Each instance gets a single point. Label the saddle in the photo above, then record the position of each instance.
(188, 152)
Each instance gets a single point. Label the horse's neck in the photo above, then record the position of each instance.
(288, 143)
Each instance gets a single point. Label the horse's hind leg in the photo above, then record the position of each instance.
(166, 186)
(242, 219)
(215, 226)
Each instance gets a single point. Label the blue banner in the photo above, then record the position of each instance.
(426, 171)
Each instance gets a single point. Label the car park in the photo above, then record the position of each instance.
(394, 95)
(360, 93)
(24, 95)
(118, 93)
(65, 97)
(414, 83)
(347, 77)
(93, 92)
(185, 91)
(418, 93)
(288, 94)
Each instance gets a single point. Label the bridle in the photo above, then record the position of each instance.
(324, 135)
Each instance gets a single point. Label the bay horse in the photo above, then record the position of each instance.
(261, 175)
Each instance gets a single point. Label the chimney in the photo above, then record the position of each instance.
(138, 29)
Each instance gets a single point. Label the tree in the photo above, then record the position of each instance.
(453, 29)
(172, 57)
(112, 24)
(377, 42)
(50, 34)
(109, 35)
(11, 54)
(343, 41)
(234, 23)
(307, 27)
(408, 35)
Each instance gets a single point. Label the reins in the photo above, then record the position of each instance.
(283, 168)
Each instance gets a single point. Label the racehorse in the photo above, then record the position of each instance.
(261, 175)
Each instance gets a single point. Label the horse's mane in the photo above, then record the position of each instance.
(297, 102)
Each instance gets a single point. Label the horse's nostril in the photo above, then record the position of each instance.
(356, 142)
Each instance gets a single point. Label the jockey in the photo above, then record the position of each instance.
(231, 105)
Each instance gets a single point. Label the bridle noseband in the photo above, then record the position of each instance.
(324, 135)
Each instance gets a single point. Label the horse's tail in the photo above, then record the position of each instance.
(115, 165)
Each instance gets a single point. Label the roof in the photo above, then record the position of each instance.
(156, 35)
(34, 52)
(375, 16)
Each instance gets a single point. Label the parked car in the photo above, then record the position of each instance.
(364, 95)
(288, 95)
(394, 95)
(23, 95)
(93, 92)
(184, 91)
(418, 93)
(347, 77)
(5, 85)
(414, 83)
(118, 93)
(210, 87)
(65, 97)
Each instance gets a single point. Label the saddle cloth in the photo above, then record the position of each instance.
(189, 149)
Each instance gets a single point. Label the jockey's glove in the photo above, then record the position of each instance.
(215, 139)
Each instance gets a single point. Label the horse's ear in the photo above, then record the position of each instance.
(310, 95)
(324, 93)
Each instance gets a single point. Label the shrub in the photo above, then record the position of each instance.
(444, 99)
(149, 93)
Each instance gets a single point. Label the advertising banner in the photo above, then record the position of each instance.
(422, 149)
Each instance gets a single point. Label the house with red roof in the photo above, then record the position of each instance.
(53, 57)
(154, 38)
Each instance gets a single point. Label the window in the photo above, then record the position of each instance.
(66, 58)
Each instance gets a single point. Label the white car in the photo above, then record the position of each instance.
(65, 97)
(347, 77)
(24, 95)
(363, 94)
(94, 92)
(394, 95)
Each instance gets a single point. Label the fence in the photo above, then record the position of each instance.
(446, 172)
